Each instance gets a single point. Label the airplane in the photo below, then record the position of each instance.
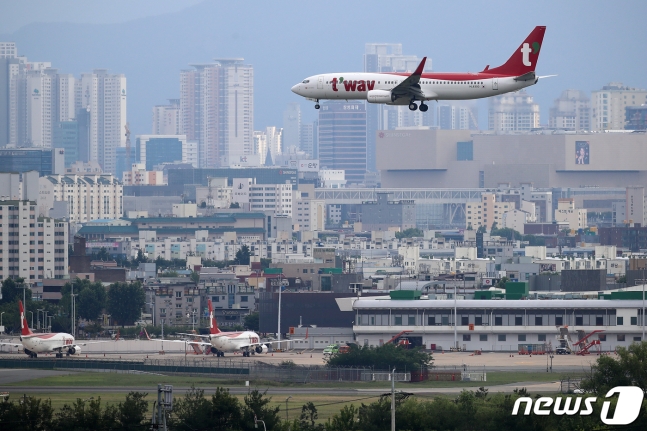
(403, 88)
(219, 342)
(35, 343)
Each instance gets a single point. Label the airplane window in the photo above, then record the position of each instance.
(305, 81)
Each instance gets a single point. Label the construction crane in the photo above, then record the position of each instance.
(127, 127)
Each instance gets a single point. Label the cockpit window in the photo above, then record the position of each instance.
(305, 81)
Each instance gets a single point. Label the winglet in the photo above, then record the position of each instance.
(420, 67)
(24, 326)
(213, 324)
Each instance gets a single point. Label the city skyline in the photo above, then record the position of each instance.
(277, 68)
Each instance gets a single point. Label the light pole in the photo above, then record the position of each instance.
(279, 328)
(286, 408)
(39, 310)
(393, 400)
(1, 317)
(256, 424)
(551, 362)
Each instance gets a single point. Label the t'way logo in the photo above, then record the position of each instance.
(630, 400)
(353, 85)
(525, 51)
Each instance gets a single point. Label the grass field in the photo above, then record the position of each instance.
(89, 379)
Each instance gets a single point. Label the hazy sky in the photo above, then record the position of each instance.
(588, 43)
(17, 13)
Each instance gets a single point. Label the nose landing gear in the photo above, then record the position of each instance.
(317, 106)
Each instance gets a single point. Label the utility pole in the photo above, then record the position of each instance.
(455, 317)
(643, 337)
(279, 328)
(393, 400)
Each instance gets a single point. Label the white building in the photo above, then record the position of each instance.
(85, 197)
(566, 212)
(486, 212)
(33, 247)
(608, 105)
(217, 110)
(166, 118)
(139, 176)
(572, 111)
(513, 112)
(332, 178)
(308, 214)
(103, 96)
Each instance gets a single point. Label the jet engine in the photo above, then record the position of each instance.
(380, 96)
(261, 349)
(74, 350)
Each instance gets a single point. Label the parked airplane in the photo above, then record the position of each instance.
(35, 343)
(220, 342)
(404, 88)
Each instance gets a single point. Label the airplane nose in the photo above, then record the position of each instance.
(295, 89)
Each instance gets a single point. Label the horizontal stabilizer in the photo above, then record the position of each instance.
(530, 76)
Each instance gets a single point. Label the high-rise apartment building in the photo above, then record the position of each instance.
(217, 110)
(33, 247)
(85, 197)
(457, 117)
(154, 150)
(103, 97)
(388, 57)
(486, 212)
(572, 111)
(292, 127)
(608, 105)
(513, 112)
(309, 139)
(166, 118)
(342, 138)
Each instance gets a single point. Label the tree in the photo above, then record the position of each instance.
(252, 322)
(195, 276)
(383, 357)
(11, 290)
(344, 421)
(242, 256)
(132, 413)
(502, 282)
(409, 233)
(308, 417)
(627, 370)
(103, 254)
(91, 298)
(481, 229)
(256, 405)
(125, 302)
(234, 205)
(494, 226)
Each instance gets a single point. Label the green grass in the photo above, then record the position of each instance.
(90, 379)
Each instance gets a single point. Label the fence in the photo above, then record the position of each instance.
(372, 376)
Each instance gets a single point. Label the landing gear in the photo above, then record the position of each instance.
(33, 355)
(413, 106)
(423, 107)
(220, 354)
(246, 354)
(59, 355)
(317, 106)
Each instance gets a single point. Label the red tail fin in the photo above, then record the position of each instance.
(213, 325)
(524, 59)
(24, 326)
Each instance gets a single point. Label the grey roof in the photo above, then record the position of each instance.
(386, 303)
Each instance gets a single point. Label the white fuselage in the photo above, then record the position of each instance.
(50, 342)
(234, 341)
(441, 86)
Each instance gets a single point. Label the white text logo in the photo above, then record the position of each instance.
(630, 400)
(525, 50)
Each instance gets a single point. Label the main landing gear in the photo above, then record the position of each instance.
(317, 106)
(247, 354)
(413, 106)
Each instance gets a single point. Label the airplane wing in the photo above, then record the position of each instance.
(190, 343)
(410, 87)
(196, 335)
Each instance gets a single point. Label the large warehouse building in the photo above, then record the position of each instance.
(457, 158)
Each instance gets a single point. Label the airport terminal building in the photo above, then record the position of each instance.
(495, 325)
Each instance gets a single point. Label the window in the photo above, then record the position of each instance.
(620, 320)
(521, 337)
(478, 320)
(397, 320)
(467, 337)
(637, 338)
(498, 321)
(215, 298)
(621, 337)
(483, 337)
(579, 320)
(465, 320)
(559, 320)
(634, 320)
(518, 321)
(501, 337)
(599, 320)
(541, 337)
(178, 294)
(244, 298)
(602, 337)
(538, 321)
(444, 320)
(431, 320)
(412, 321)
